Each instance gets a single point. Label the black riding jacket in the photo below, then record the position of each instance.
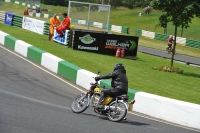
(119, 80)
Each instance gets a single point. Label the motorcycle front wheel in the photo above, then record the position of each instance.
(80, 103)
(117, 112)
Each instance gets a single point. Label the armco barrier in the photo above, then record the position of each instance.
(2, 16)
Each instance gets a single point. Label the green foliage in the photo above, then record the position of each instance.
(179, 12)
(114, 3)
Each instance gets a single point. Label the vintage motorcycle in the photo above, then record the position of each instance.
(115, 108)
(169, 49)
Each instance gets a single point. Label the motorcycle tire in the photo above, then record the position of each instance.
(79, 106)
(119, 114)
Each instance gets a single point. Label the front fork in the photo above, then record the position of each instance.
(83, 96)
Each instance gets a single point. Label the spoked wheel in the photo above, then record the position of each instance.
(79, 104)
(118, 113)
(169, 49)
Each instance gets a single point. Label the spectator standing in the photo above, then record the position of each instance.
(26, 12)
(54, 22)
(147, 9)
(65, 25)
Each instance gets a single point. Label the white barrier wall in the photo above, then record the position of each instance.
(148, 34)
(21, 47)
(2, 37)
(116, 28)
(50, 62)
(97, 24)
(181, 41)
(81, 22)
(84, 78)
(175, 111)
(46, 15)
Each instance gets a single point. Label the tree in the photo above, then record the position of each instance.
(128, 3)
(179, 12)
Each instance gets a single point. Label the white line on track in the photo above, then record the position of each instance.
(140, 115)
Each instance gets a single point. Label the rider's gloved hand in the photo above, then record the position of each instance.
(97, 78)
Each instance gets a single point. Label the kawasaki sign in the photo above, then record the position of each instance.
(100, 42)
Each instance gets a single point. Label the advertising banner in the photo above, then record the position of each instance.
(113, 42)
(33, 25)
(8, 18)
(105, 43)
(87, 41)
(63, 40)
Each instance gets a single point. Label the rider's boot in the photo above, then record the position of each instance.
(101, 99)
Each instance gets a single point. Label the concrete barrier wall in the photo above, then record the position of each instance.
(181, 41)
(175, 111)
(21, 47)
(116, 28)
(164, 37)
(84, 78)
(35, 54)
(50, 62)
(82, 22)
(179, 112)
(2, 37)
(97, 24)
(148, 34)
(68, 70)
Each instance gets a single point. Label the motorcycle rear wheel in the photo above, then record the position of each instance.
(78, 105)
(119, 113)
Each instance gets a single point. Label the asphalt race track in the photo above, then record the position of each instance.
(33, 100)
(177, 57)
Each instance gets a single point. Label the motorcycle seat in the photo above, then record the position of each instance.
(123, 97)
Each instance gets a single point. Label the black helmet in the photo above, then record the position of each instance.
(119, 66)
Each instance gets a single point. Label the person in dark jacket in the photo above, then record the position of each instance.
(119, 83)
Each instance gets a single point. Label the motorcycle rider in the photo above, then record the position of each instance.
(119, 83)
(170, 41)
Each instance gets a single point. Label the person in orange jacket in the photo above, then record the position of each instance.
(65, 25)
(54, 22)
